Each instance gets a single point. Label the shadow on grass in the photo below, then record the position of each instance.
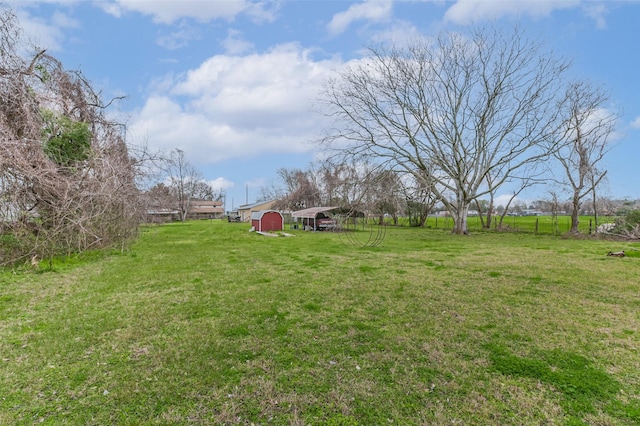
(582, 386)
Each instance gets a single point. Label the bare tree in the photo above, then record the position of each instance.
(67, 180)
(554, 204)
(160, 196)
(352, 187)
(521, 185)
(586, 129)
(386, 187)
(596, 201)
(419, 200)
(335, 179)
(274, 191)
(182, 184)
(349, 185)
(299, 190)
(458, 109)
(204, 191)
(359, 186)
(183, 179)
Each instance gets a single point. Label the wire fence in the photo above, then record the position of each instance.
(557, 225)
(548, 225)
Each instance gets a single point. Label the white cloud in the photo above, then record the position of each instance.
(375, 11)
(220, 184)
(47, 34)
(469, 11)
(180, 38)
(112, 9)
(502, 200)
(597, 12)
(636, 123)
(237, 107)
(400, 34)
(60, 20)
(234, 44)
(167, 12)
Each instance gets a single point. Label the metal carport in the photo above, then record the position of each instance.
(312, 214)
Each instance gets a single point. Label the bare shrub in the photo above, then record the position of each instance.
(67, 181)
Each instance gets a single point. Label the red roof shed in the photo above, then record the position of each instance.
(267, 220)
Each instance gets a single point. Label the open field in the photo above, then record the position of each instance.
(206, 323)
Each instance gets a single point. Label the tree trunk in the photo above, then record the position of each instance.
(460, 219)
(423, 220)
(595, 209)
(480, 212)
(575, 214)
(490, 213)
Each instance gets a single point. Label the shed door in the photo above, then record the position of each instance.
(272, 222)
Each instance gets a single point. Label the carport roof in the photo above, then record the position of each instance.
(311, 213)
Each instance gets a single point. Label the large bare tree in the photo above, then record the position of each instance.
(586, 129)
(454, 110)
(67, 181)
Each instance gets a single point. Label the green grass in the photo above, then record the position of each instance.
(206, 323)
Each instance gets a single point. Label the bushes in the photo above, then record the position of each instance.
(629, 225)
(15, 245)
(67, 178)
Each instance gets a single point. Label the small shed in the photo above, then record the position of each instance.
(267, 220)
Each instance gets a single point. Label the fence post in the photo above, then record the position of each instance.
(536, 231)
(590, 227)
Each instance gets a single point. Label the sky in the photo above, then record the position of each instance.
(235, 84)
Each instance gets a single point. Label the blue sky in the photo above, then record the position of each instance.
(233, 83)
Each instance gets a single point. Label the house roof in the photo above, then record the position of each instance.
(206, 203)
(206, 209)
(206, 206)
(312, 212)
(259, 203)
(160, 211)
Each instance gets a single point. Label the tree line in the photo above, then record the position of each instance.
(388, 196)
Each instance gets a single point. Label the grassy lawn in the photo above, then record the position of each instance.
(206, 323)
